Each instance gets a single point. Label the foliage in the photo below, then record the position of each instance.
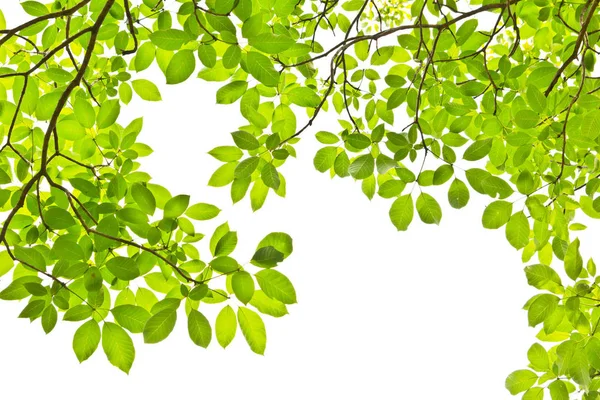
(83, 221)
(501, 98)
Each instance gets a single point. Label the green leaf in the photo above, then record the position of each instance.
(243, 286)
(6, 263)
(226, 244)
(534, 393)
(31, 257)
(542, 277)
(132, 215)
(49, 318)
(232, 57)
(16, 289)
(199, 329)
(84, 112)
(519, 381)
(246, 167)
(573, 260)
(245, 140)
(270, 176)
(253, 329)
(324, 158)
(590, 125)
(224, 6)
(92, 279)
(65, 248)
(526, 119)
(362, 167)
(304, 97)
(478, 150)
(123, 268)
(33, 309)
(231, 92)
(270, 43)
(283, 8)
(267, 257)
(169, 39)
(78, 313)
(4, 177)
(226, 153)
(133, 318)
(225, 326)
(542, 76)
(593, 352)
(144, 56)
(429, 210)
(202, 211)
(579, 368)
(199, 292)
(181, 67)
(458, 194)
(108, 114)
(267, 305)
(541, 308)
(224, 264)
(223, 176)
(261, 68)
(538, 357)
(443, 174)
(176, 206)
(118, 346)
(558, 390)
(146, 90)
(276, 285)
(402, 212)
(34, 8)
(536, 99)
(144, 198)
(282, 242)
(160, 325)
(496, 214)
(517, 230)
(57, 218)
(207, 55)
(86, 340)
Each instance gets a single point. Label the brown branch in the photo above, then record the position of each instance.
(69, 11)
(578, 42)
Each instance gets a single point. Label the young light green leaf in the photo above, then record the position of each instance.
(181, 67)
(402, 212)
(118, 346)
(131, 317)
(541, 308)
(517, 230)
(262, 69)
(176, 206)
(160, 325)
(429, 209)
(231, 92)
(202, 211)
(225, 326)
(276, 285)
(458, 194)
(253, 329)
(573, 260)
(496, 214)
(243, 286)
(86, 340)
(144, 198)
(519, 381)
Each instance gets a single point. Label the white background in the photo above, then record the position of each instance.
(434, 312)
